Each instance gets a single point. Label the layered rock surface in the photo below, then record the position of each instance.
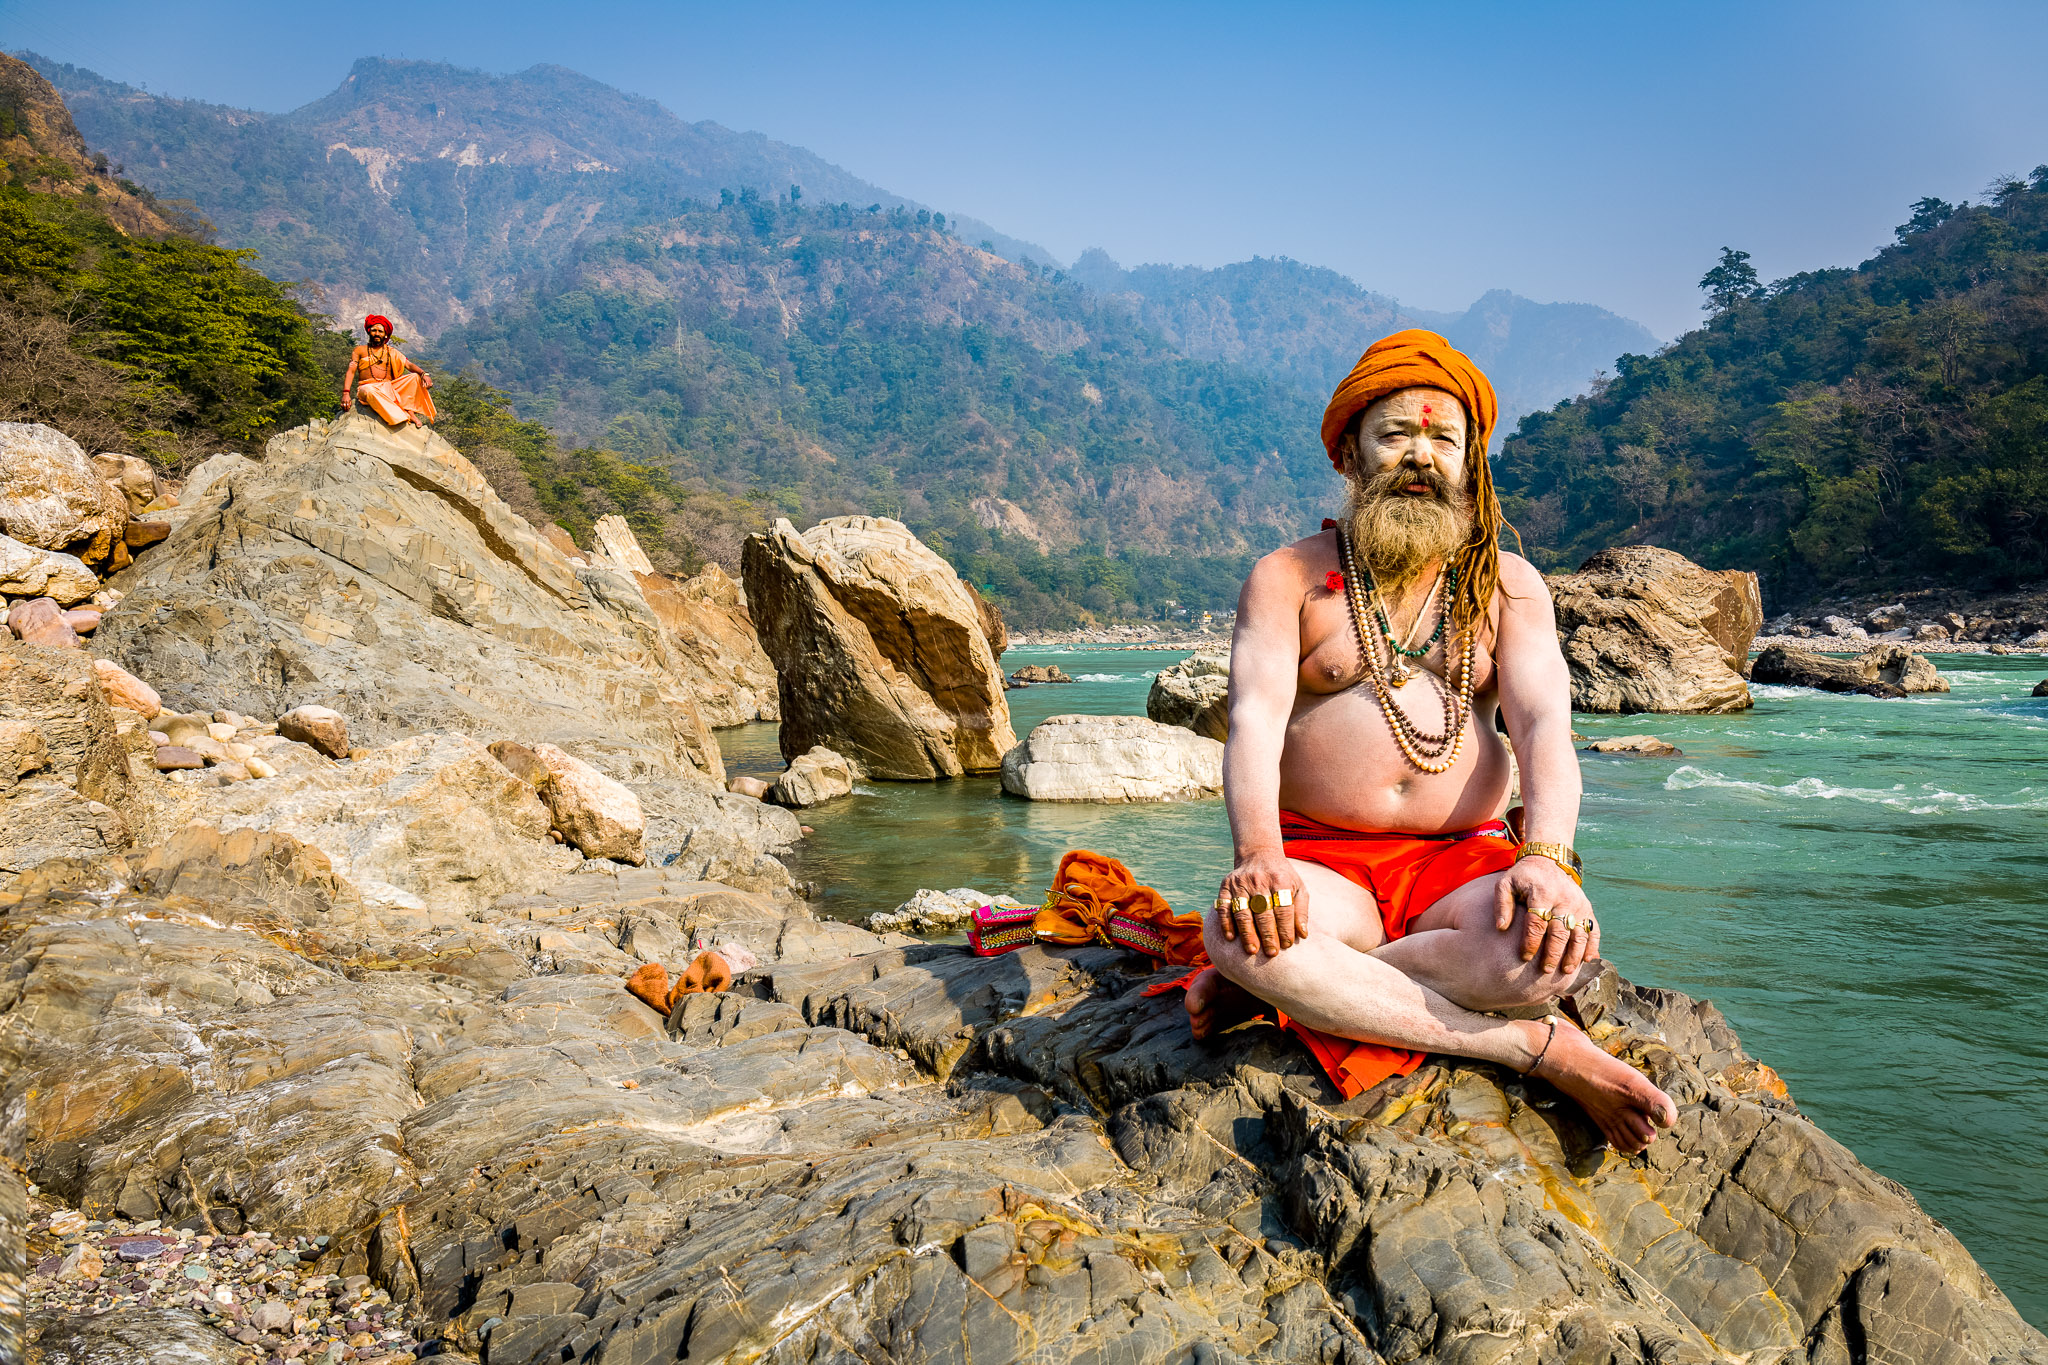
(711, 637)
(869, 1150)
(1194, 694)
(1646, 629)
(375, 572)
(52, 497)
(879, 650)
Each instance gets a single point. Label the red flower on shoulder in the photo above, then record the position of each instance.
(1334, 581)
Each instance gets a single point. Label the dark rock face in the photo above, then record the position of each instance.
(1646, 629)
(877, 1150)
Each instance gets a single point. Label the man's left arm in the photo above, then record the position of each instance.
(1536, 702)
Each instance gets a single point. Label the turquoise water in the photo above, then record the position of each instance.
(1858, 884)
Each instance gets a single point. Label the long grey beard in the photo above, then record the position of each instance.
(1398, 534)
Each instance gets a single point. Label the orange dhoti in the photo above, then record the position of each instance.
(396, 400)
(1406, 874)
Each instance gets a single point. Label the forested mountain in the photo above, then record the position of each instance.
(821, 360)
(1838, 426)
(1309, 324)
(423, 190)
(122, 331)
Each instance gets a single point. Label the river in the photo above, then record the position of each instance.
(1861, 886)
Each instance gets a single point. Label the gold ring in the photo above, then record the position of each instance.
(1240, 902)
(1261, 902)
(1587, 924)
(1284, 897)
(1540, 914)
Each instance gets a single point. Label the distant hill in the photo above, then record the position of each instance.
(423, 190)
(1840, 427)
(122, 330)
(1309, 324)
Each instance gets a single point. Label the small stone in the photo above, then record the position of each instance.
(125, 690)
(1646, 746)
(174, 757)
(744, 785)
(196, 1271)
(218, 731)
(141, 535)
(323, 729)
(258, 768)
(83, 1263)
(82, 620)
(2041, 688)
(140, 1249)
(271, 1315)
(40, 622)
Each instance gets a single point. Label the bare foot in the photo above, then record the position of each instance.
(1616, 1096)
(1216, 1003)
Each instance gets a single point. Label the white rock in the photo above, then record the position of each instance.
(1195, 694)
(935, 912)
(1113, 758)
(593, 812)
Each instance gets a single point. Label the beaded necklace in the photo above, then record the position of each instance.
(1429, 753)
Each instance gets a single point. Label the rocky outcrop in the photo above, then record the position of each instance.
(66, 789)
(1901, 666)
(1646, 629)
(2041, 688)
(867, 1150)
(1193, 694)
(1039, 673)
(52, 498)
(878, 649)
(937, 912)
(712, 642)
(991, 616)
(373, 571)
(1865, 675)
(812, 777)
(1113, 758)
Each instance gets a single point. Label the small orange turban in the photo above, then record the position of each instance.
(1410, 360)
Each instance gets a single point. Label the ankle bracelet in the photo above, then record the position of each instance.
(1552, 1021)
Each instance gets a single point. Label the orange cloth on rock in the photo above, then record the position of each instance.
(1409, 360)
(1090, 890)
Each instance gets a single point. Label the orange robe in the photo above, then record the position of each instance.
(1406, 874)
(396, 399)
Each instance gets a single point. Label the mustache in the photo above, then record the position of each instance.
(1394, 483)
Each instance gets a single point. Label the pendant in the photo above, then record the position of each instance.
(1400, 673)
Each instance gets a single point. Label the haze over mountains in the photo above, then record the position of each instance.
(463, 181)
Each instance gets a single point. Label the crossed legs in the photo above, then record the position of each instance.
(1423, 992)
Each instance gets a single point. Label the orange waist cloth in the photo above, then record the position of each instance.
(1406, 874)
(395, 400)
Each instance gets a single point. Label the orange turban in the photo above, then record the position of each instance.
(1410, 360)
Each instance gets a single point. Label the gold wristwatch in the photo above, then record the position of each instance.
(1562, 854)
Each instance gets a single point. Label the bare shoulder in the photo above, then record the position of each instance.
(1292, 566)
(1520, 578)
(358, 353)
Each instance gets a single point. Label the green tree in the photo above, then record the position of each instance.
(1731, 282)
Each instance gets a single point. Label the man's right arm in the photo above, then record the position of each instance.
(348, 383)
(1265, 658)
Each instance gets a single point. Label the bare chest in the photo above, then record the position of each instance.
(1332, 662)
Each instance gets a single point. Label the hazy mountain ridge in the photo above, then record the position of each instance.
(425, 190)
(1309, 323)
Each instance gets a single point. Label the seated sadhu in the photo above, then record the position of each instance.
(1378, 900)
(387, 383)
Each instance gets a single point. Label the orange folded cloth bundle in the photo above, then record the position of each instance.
(711, 970)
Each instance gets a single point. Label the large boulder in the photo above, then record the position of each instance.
(373, 571)
(53, 498)
(1113, 758)
(30, 571)
(597, 815)
(812, 778)
(1886, 669)
(1193, 694)
(878, 648)
(712, 641)
(1646, 629)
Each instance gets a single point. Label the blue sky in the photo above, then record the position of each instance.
(1593, 152)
